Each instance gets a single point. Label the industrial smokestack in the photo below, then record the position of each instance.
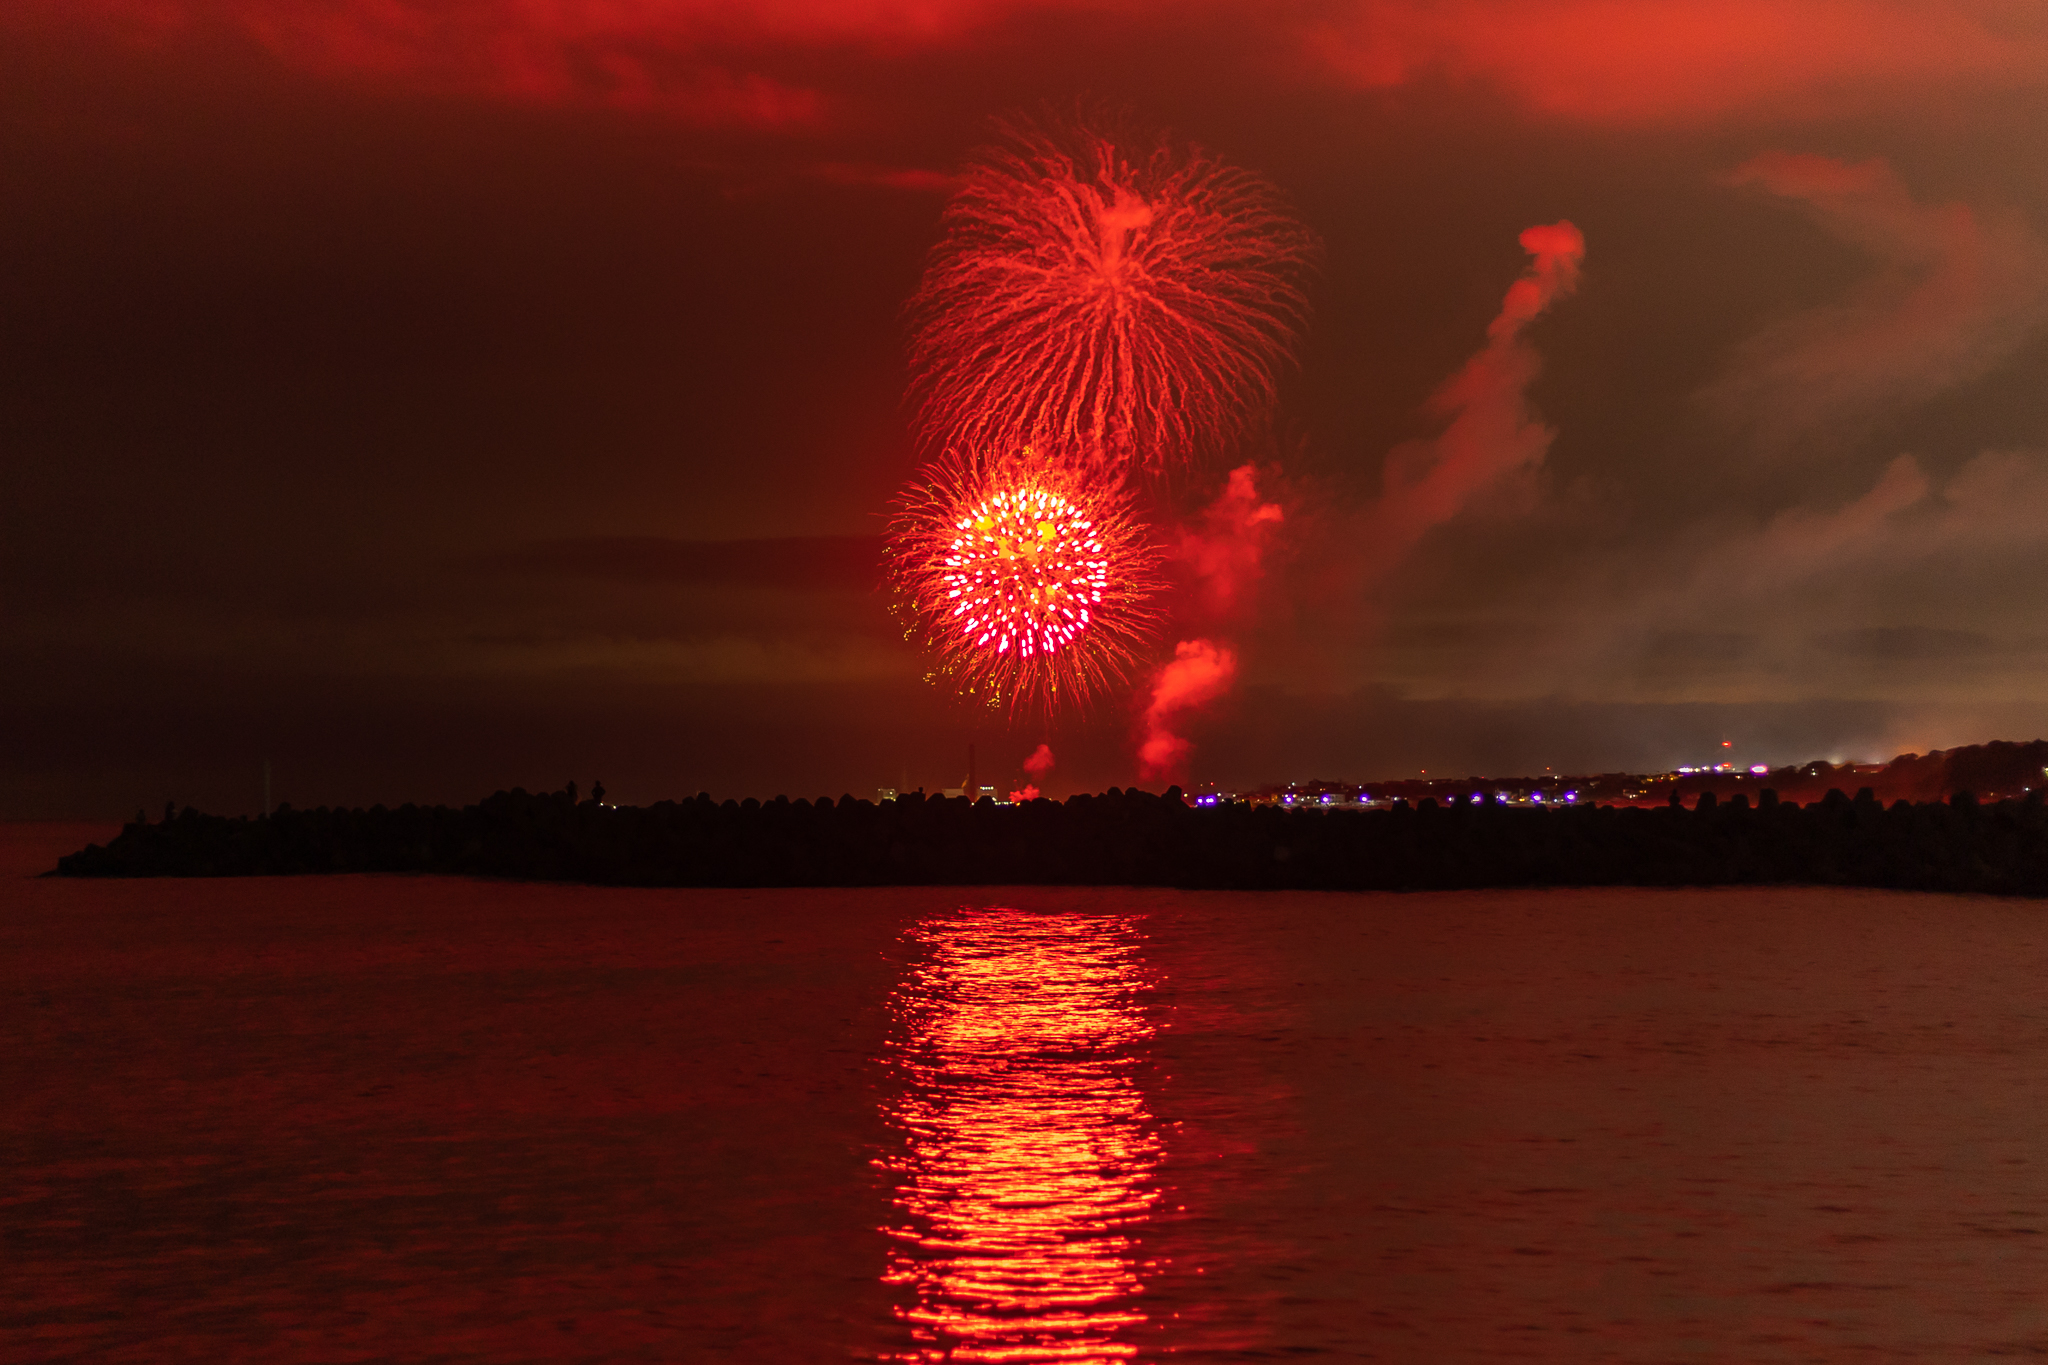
(973, 791)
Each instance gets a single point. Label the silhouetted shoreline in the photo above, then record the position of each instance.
(1132, 838)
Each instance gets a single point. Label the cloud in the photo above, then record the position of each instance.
(1687, 61)
(1916, 587)
(634, 56)
(617, 611)
(702, 659)
(1955, 293)
(815, 562)
(1884, 643)
(1800, 540)
(1992, 507)
(706, 61)
(695, 61)
(1697, 648)
(1040, 762)
(869, 175)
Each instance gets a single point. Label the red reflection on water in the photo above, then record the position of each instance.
(1030, 1154)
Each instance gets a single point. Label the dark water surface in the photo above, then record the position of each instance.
(356, 1119)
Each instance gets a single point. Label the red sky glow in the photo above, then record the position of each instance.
(429, 398)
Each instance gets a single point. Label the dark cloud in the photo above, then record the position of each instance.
(1886, 643)
(1697, 647)
(847, 563)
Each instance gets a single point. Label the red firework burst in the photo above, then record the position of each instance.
(1026, 578)
(1136, 308)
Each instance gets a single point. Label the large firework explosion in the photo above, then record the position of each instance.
(1131, 300)
(1027, 578)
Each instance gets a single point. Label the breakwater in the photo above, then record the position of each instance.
(1116, 838)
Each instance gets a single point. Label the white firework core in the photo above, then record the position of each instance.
(1025, 576)
(1024, 572)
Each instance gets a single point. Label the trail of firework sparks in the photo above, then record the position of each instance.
(1027, 578)
(1138, 309)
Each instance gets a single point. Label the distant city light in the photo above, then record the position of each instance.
(1759, 768)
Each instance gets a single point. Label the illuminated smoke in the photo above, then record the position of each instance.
(1492, 433)
(1038, 765)
(1224, 550)
(1133, 302)
(1201, 671)
(1026, 578)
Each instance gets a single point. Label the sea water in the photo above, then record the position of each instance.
(365, 1118)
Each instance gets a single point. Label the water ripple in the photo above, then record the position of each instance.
(1029, 1156)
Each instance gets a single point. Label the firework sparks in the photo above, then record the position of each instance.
(1136, 308)
(1027, 578)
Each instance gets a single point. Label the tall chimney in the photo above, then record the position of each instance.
(973, 792)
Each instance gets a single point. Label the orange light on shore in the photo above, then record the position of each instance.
(1029, 1151)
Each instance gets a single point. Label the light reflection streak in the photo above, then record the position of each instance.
(1029, 1153)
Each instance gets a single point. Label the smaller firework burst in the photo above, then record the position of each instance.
(1027, 578)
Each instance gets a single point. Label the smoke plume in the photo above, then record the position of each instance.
(1492, 433)
(1201, 671)
(1038, 764)
(1224, 550)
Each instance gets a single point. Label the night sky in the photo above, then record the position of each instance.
(432, 398)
